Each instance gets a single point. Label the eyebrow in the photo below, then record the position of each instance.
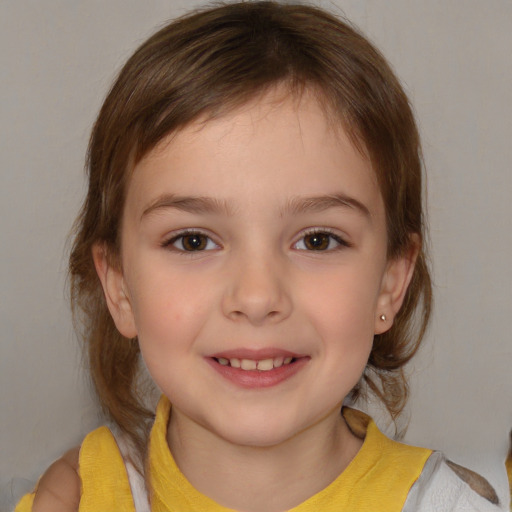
(189, 204)
(295, 206)
(298, 205)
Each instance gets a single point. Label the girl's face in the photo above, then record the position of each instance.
(254, 270)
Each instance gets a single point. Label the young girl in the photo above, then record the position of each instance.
(253, 237)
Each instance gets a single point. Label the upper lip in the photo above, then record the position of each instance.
(255, 355)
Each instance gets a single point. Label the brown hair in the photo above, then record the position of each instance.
(205, 64)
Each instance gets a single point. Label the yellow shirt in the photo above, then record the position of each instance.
(378, 478)
(508, 467)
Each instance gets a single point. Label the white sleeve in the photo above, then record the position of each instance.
(439, 489)
(137, 483)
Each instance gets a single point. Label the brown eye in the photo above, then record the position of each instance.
(194, 242)
(317, 241)
(191, 242)
(320, 241)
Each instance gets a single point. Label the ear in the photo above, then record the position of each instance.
(396, 280)
(114, 288)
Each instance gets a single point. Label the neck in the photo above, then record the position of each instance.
(255, 479)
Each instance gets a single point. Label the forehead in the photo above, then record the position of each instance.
(283, 145)
(264, 102)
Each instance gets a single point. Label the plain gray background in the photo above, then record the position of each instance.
(57, 59)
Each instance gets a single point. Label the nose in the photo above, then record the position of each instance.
(257, 291)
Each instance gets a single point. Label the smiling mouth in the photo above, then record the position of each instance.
(253, 369)
(263, 365)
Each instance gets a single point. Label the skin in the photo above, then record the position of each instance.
(256, 285)
(58, 489)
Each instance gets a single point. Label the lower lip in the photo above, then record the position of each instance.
(253, 379)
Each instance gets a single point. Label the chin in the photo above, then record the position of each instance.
(257, 438)
(259, 432)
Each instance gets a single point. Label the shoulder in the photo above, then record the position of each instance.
(59, 488)
(83, 477)
(445, 487)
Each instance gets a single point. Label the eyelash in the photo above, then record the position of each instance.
(169, 243)
(331, 236)
(341, 243)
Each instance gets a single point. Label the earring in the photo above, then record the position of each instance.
(383, 317)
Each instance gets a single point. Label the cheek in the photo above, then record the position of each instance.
(346, 304)
(344, 317)
(169, 325)
(347, 345)
(169, 312)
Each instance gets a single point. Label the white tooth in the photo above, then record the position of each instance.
(278, 362)
(235, 363)
(248, 364)
(265, 364)
(287, 360)
(223, 361)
